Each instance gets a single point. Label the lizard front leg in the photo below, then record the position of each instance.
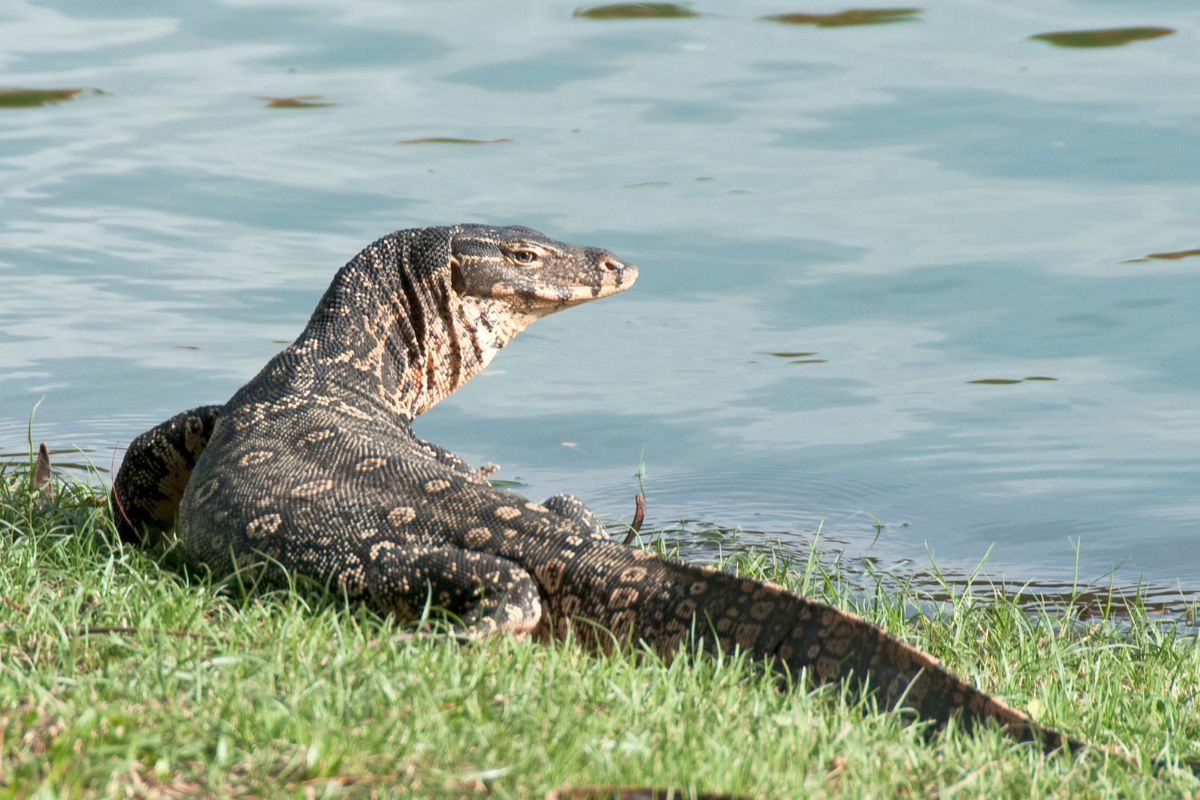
(486, 593)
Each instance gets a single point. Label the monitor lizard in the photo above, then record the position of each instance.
(312, 467)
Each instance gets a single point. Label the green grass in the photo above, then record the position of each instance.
(121, 677)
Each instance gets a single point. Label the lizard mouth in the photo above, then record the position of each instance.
(543, 296)
(613, 276)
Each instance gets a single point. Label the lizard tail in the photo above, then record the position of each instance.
(157, 465)
(642, 597)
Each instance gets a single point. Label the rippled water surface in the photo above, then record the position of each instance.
(896, 272)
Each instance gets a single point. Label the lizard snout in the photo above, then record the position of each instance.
(617, 274)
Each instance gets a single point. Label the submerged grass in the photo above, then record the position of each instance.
(121, 677)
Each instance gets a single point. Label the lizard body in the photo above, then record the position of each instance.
(313, 468)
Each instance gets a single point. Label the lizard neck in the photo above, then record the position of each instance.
(391, 337)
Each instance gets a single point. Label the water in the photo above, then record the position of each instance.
(912, 207)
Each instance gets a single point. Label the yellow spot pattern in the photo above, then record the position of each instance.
(401, 515)
(313, 488)
(256, 457)
(263, 526)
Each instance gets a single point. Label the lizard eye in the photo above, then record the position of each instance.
(525, 256)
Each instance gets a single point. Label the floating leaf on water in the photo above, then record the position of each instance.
(1040, 378)
(997, 381)
(1102, 37)
(851, 16)
(187, 347)
(452, 140)
(1171, 256)
(30, 98)
(635, 11)
(1178, 254)
(281, 341)
(809, 361)
(302, 101)
(797, 354)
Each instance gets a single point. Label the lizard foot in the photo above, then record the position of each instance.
(573, 509)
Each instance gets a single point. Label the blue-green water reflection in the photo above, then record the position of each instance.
(921, 206)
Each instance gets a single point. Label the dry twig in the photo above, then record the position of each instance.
(639, 515)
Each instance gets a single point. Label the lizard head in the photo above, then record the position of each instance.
(530, 273)
(425, 309)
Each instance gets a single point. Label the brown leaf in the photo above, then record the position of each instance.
(635, 11)
(851, 16)
(41, 475)
(29, 98)
(1102, 37)
(452, 140)
(1174, 255)
(301, 101)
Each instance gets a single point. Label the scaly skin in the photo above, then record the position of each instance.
(312, 469)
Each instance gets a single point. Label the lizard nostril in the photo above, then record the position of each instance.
(612, 265)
